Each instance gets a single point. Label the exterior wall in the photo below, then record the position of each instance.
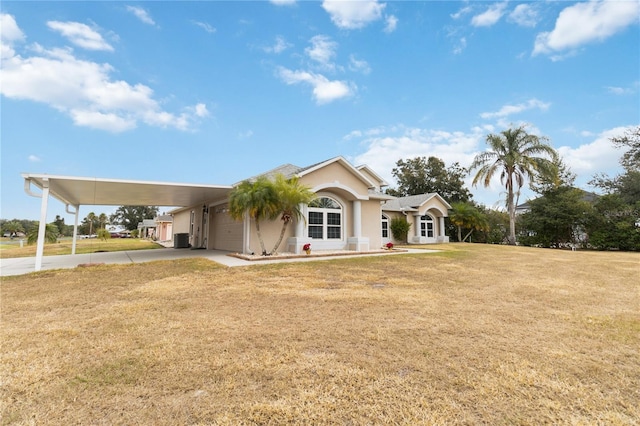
(181, 222)
(372, 223)
(270, 231)
(371, 178)
(335, 173)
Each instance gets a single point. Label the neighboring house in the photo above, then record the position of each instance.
(351, 212)
(587, 196)
(147, 228)
(164, 227)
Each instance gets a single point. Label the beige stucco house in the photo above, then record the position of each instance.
(351, 212)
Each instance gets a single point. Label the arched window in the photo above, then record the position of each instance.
(325, 219)
(426, 226)
(385, 226)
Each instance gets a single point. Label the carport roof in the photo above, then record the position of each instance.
(117, 192)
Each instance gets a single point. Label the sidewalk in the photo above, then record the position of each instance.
(25, 265)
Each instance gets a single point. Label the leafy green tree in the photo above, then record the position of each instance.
(50, 234)
(103, 234)
(498, 231)
(615, 224)
(556, 219)
(399, 228)
(130, 216)
(12, 227)
(290, 194)
(631, 140)
(516, 156)
(422, 175)
(258, 199)
(466, 216)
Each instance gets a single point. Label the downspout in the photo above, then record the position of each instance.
(75, 226)
(42, 226)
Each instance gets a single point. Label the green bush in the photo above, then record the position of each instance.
(399, 228)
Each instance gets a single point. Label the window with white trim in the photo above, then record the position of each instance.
(385, 226)
(426, 226)
(325, 219)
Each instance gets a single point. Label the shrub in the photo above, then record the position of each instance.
(399, 228)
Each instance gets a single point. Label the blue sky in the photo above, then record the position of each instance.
(213, 92)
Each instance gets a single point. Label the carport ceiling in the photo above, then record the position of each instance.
(116, 192)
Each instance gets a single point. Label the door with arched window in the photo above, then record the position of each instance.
(325, 220)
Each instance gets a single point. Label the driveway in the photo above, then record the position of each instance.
(25, 265)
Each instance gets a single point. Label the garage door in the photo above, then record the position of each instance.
(227, 233)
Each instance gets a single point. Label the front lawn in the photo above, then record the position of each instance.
(12, 248)
(476, 334)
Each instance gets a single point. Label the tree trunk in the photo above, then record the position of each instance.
(459, 233)
(512, 212)
(264, 251)
(282, 231)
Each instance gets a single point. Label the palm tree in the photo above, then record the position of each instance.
(465, 215)
(515, 154)
(290, 194)
(103, 220)
(50, 234)
(90, 218)
(258, 199)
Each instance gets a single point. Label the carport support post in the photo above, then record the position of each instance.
(43, 223)
(75, 227)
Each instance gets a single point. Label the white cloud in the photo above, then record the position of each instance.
(459, 14)
(599, 155)
(489, 17)
(85, 91)
(245, 135)
(357, 65)
(81, 35)
(324, 90)
(322, 51)
(279, 46)
(283, 2)
(391, 24)
(460, 46)
(586, 22)
(525, 15)
(205, 26)
(614, 90)
(508, 110)
(9, 34)
(349, 14)
(34, 159)
(141, 14)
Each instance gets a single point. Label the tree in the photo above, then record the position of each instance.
(12, 227)
(91, 217)
(631, 139)
(103, 234)
(517, 156)
(556, 219)
(615, 224)
(103, 219)
(258, 199)
(130, 216)
(467, 216)
(290, 194)
(421, 175)
(50, 234)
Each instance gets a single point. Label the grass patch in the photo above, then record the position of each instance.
(475, 334)
(93, 245)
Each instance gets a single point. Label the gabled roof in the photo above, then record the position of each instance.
(287, 170)
(372, 173)
(412, 202)
(344, 163)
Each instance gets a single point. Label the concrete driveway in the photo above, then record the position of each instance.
(25, 265)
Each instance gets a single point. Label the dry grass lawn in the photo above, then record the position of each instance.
(473, 335)
(10, 249)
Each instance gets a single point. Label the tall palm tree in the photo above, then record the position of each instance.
(90, 218)
(103, 220)
(517, 156)
(291, 194)
(258, 199)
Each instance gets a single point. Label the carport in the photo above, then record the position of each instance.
(74, 192)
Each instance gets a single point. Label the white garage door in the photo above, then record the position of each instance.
(227, 233)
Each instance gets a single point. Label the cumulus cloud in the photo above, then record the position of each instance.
(358, 65)
(324, 90)
(584, 23)
(141, 14)
(81, 35)
(598, 155)
(489, 17)
(508, 110)
(279, 46)
(34, 159)
(322, 51)
(350, 15)
(391, 24)
(10, 33)
(525, 15)
(86, 92)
